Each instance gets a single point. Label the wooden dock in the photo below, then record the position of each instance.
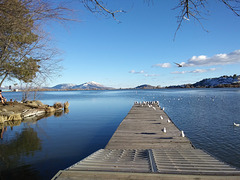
(143, 128)
(148, 145)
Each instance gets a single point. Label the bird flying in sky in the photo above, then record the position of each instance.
(179, 65)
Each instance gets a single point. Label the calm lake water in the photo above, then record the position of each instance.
(38, 150)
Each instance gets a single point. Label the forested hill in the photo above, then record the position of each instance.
(223, 81)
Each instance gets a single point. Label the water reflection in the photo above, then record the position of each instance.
(19, 145)
(4, 129)
(30, 120)
(26, 172)
(58, 113)
(14, 151)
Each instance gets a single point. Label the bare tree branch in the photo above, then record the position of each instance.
(190, 9)
(96, 6)
(234, 8)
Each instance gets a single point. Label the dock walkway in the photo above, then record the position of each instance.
(147, 127)
(148, 145)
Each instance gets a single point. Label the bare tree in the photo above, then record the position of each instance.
(24, 46)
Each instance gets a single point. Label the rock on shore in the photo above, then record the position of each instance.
(18, 111)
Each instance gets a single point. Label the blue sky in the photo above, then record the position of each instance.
(141, 49)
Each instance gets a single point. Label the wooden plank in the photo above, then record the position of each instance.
(99, 175)
(143, 128)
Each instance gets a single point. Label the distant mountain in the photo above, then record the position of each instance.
(145, 86)
(91, 85)
(64, 86)
(86, 86)
(223, 81)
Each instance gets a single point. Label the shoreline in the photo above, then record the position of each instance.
(18, 111)
(117, 89)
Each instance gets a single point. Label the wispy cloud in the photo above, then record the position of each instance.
(179, 72)
(218, 59)
(163, 65)
(143, 73)
(136, 72)
(202, 70)
(194, 71)
(151, 75)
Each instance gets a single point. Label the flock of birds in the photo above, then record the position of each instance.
(156, 103)
(150, 104)
(180, 65)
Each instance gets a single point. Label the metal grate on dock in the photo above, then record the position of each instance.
(164, 161)
(115, 160)
(190, 161)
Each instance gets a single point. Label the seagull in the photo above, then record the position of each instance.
(164, 130)
(161, 117)
(179, 65)
(235, 124)
(168, 121)
(182, 134)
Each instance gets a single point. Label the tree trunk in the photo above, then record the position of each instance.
(3, 79)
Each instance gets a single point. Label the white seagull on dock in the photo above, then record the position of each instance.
(164, 130)
(182, 134)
